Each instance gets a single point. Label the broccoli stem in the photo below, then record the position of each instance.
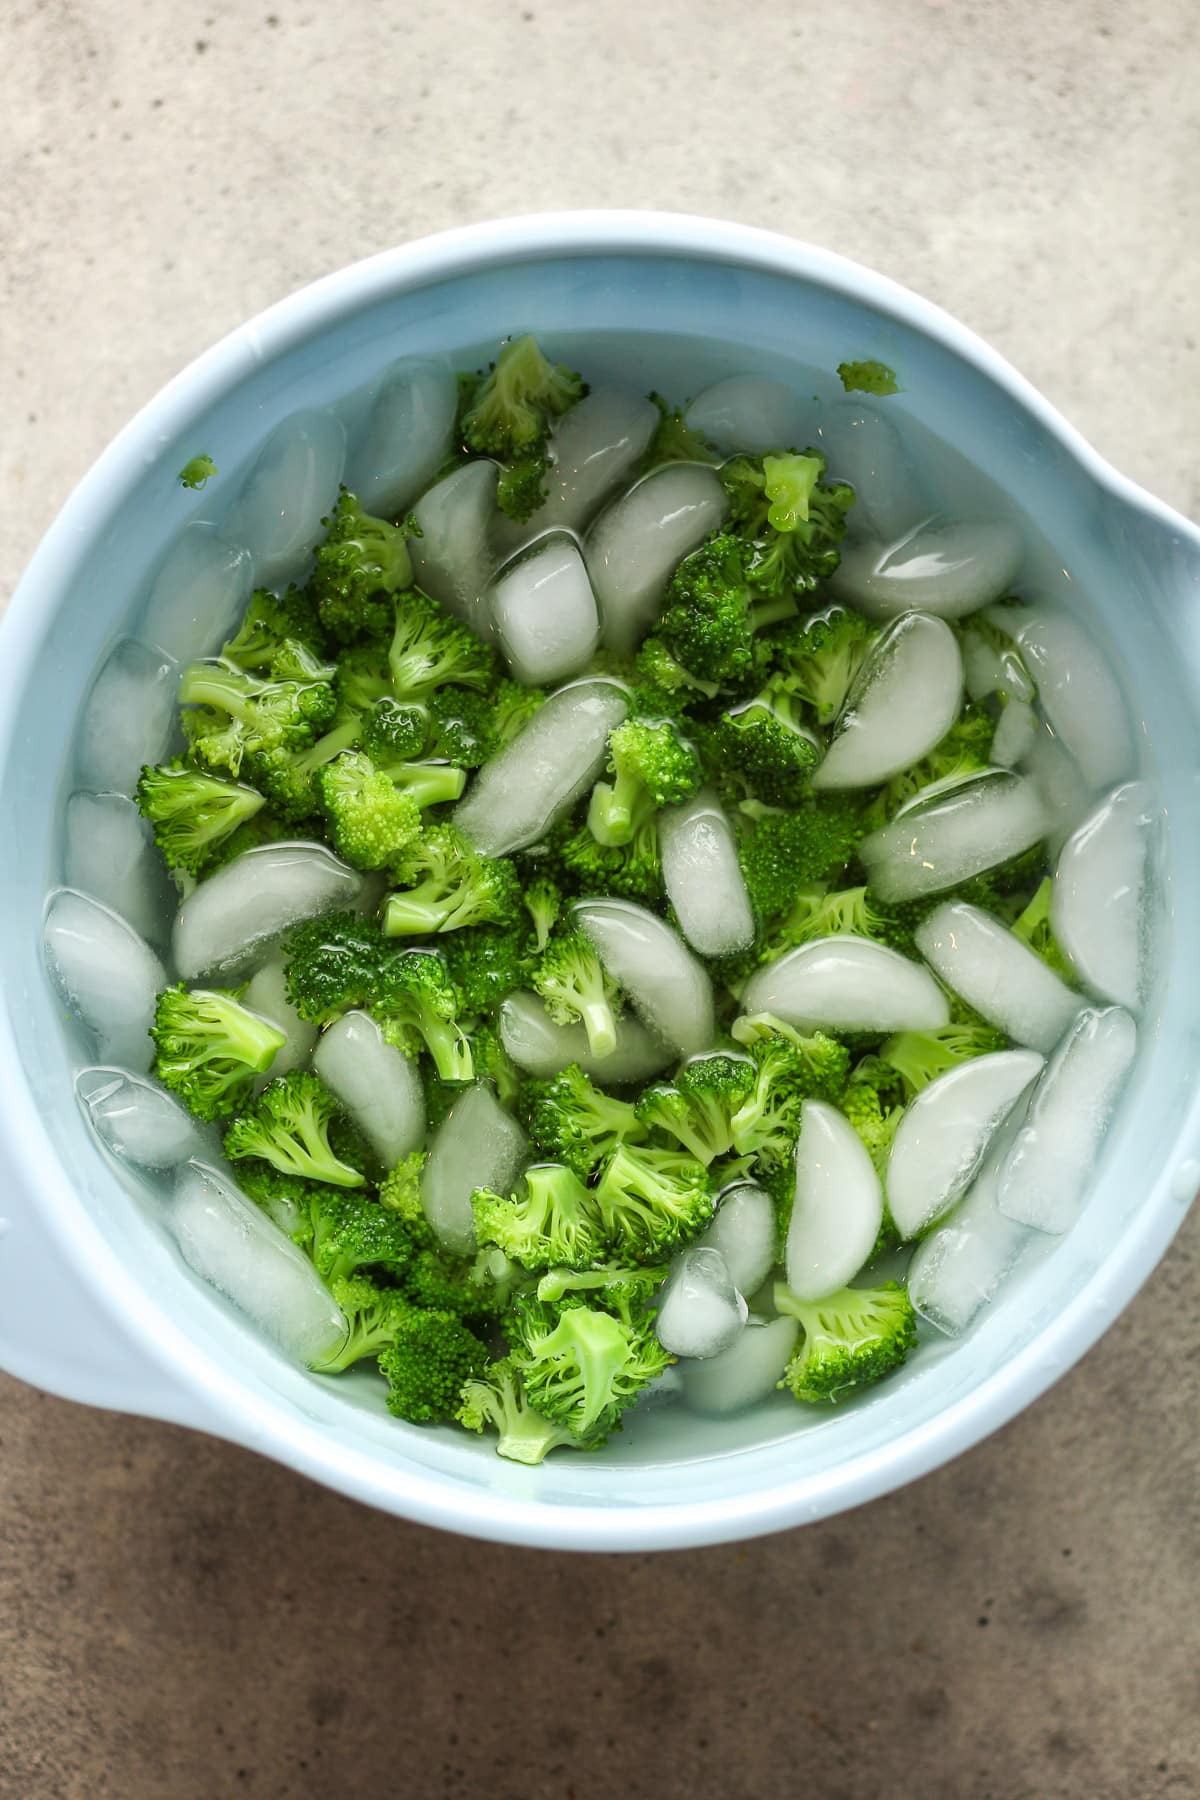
(450, 1049)
(429, 783)
(406, 916)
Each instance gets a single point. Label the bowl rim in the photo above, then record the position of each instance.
(237, 1413)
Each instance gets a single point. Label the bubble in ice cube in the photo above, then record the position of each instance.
(863, 447)
(700, 1312)
(140, 1122)
(292, 486)
(904, 700)
(453, 557)
(748, 1371)
(128, 718)
(634, 547)
(847, 983)
(107, 974)
(743, 1229)
(407, 436)
(230, 919)
(997, 974)
(266, 994)
(648, 959)
(1096, 908)
(943, 837)
(377, 1084)
(749, 414)
(544, 612)
(546, 768)
(838, 1205)
(110, 854)
(230, 1243)
(594, 447)
(536, 1044)
(703, 877)
(199, 593)
(950, 568)
(478, 1145)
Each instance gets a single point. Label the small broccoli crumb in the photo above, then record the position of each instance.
(197, 472)
(868, 378)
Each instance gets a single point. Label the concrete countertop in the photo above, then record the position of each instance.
(181, 1621)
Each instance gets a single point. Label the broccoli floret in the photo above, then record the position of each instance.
(819, 912)
(675, 441)
(428, 1362)
(782, 850)
(478, 1288)
(400, 1192)
(362, 677)
(543, 902)
(284, 1198)
(348, 1233)
(867, 378)
(576, 987)
(790, 521)
(851, 1339)
(230, 714)
(487, 962)
(789, 1068)
(468, 727)
(625, 1292)
(334, 964)
(447, 886)
(288, 1126)
(197, 472)
(654, 766)
(374, 1315)
(581, 1367)
(521, 486)
(494, 1064)
(363, 562)
(271, 627)
(1033, 928)
(965, 750)
(820, 657)
(651, 1201)
(550, 1221)
(633, 869)
(369, 818)
(873, 1102)
(661, 677)
(711, 613)
(209, 1047)
(429, 650)
(698, 1107)
(497, 1399)
(393, 731)
(193, 813)
(511, 407)
(768, 741)
(921, 1056)
(577, 1123)
(289, 778)
(419, 1007)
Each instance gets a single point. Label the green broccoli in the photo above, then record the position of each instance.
(349, 1233)
(486, 962)
(470, 727)
(334, 964)
(582, 1368)
(369, 818)
(289, 777)
(698, 1107)
(768, 741)
(576, 987)
(790, 522)
(965, 750)
(511, 407)
(820, 657)
(572, 1120)
(362, 677)
(873, 1101)
(626, 1292)
(780, 851)
(393, 731)
(789, 1068)
(1033, 928)
(851, 1339)
(675, 441)
(427, 783)
(651, 1201)
(374, 1315)
(479, 1288)
(660, 676)
(429, 650)
(494, 1064)
(550, 1222)
(271, 629)
(921, 1056)
(197, 472)
(400, 1193)
(230, 714)
(711, 613)
(419, 1007)
(543, 902)
(521, 486)
(818, 912)
(497, 1399)
(193, 813)
(654, 767)
(361, 565)
(868, 378)
(288, 1126)
(209, 1047)
(447, 886)
(633, 869)
(428, 1362)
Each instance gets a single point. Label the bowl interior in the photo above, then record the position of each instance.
(674, 322)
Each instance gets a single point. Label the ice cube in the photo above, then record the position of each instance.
(230, 1243)
(700, 1312)
(1065, 795)
(744, 1231)
(107, 974)
(292, 486)
(453, 557)
(545, 613)
(478, 1145)
(595, 446)
(140, 1122)
(230, 919)
(748, 415)
(847, 983)
(945, 1133)
(903, 702)
(377, 1084)
(651, 962)
(1096, 908)
(546, 768)
(1015, 735)
(633, 548)
(406, 438)
(997, 974)
(1076, 688)
(748, 1371)
(538, 1045)
(939, 842)
(198, 595)
(266, 994)
(863, 447)
(111, 855)
(838, 1207)
(703, 877)
(128, 717)
(960, 1266)
(938, 566)
(988, 670)
(1043, 1182)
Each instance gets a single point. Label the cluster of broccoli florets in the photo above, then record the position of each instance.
(354, 709)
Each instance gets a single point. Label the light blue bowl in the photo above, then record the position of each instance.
(94, 1302)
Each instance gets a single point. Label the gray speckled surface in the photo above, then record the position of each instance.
(179, 1620)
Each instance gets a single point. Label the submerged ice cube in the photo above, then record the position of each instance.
(478, 1145)
(140, 1122)
(700, 1312)
(292, 486)
(107, 974)
(128, 718)
(198, 594)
